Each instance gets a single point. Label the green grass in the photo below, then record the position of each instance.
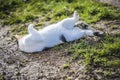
(114, 27)
(1, 77)
(105, 52)
(20, 12)
(53, 11)
(65, 66)
(19, 29)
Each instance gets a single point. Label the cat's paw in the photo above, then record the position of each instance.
(76, 15)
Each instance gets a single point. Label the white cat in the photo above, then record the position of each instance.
(76, 33)
(52, 35)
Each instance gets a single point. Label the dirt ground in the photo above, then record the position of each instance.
(46, 65)
(115, 3)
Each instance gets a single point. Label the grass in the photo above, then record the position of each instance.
(114, 27)
(20, 12)
(65, 66)
(1, 77)
(19, 29)
(89, 10)
(104, 53)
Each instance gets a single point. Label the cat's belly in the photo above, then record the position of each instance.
(51, 39)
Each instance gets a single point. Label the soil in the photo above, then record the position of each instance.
(115, 3)
(46, 65)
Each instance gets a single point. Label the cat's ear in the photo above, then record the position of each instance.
(32, 30)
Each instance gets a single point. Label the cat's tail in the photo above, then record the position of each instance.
(35, 34)
(32, 30)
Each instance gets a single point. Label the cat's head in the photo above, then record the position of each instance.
(85, 26)
(82, 25)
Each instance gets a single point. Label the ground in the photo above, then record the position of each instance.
(115, 3)
(46, 65)
(85, 59)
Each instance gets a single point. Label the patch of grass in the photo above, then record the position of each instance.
(98, 54)
(114, 27)
(20, 30)
(89, 10)
(65, 66)
(117, 34)
(103, 54)
(1, 77)
(113, 63)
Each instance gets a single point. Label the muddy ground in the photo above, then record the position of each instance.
(46, 65)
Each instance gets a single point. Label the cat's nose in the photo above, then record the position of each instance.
(99, 34)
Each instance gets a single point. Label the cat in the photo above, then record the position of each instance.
(51, 35)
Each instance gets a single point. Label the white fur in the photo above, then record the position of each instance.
(50, 35)
(69, 23)
(76, 33)
(38, 40)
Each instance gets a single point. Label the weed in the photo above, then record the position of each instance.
(1, 77)
(20, 30)
(114, 27)
(65, 66)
